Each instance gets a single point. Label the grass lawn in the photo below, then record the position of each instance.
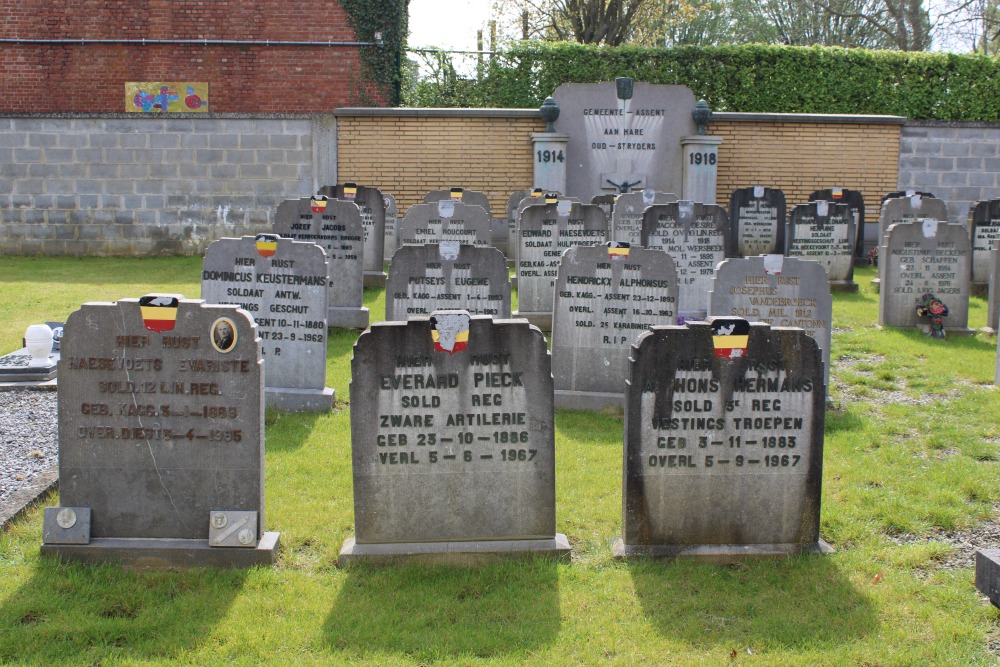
(911, 465)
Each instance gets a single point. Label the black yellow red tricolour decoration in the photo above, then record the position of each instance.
(267, 244)
(317, 203)
(730, 336)
(159, 312)
(450, 332)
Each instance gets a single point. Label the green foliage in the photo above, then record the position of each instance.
(381, 63)
(750, 78)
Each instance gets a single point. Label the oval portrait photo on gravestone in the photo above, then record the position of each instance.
(223, 334)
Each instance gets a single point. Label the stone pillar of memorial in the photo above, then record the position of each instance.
(700, 167)
(549, 151)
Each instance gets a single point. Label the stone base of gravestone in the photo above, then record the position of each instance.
(348, 318)
(15, 367)
(375, 278)
(165, 554)
(454, 553)
(590, 401)
(722, 554)
(541, 320)
(294, 399)
(988, 574)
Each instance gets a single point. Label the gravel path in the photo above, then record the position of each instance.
(28, 437)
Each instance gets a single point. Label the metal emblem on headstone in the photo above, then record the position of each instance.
(159, 311)
(66, 525)
(446, 208)
(267, 244)
(317, 203)
(450, 331)
(449, 250)
(730, 336)
(227, 528)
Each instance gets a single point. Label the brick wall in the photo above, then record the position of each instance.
(957, 162)
(91, 77)
(409, 155)
(800, 156)
(145, 185)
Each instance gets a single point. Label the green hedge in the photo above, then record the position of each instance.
(748, 78)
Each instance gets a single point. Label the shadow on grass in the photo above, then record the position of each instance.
(288, 431)
(799, 602)
(72, 612)
(433, 612)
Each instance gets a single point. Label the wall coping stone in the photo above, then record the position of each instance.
(961, 124)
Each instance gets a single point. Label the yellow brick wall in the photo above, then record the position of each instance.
(409, 156)
(802, 157)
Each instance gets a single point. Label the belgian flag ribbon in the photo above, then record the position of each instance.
(317, 204)
(729, 337)
(450, 332)
(159, 312)
(267, 244)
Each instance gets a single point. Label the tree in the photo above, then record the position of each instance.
(612, 22)
(969, 25)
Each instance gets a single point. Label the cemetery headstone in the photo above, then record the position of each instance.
(905, 193)
(824, 232)
(626, 214)
(445, 220)
(283, 285)
(757, 221)
(161, 436)
(913, 207)
(723, 442)
(37, 361)
(781, 291)
(624, 135)
(988, 573)
(984, 221)
(452, 438)
(513, 210)
(993, 297)
(429, 277)
(856, 200)
(391, 226)
(545, 231)
(606, 202)
(605, 297)
(696, 236)
(335, 225)
(925, 257)
(468, 197)
(372, 206)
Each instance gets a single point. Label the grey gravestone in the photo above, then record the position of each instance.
(429, 277)
(283, 285)
(606, 202)
(452, 436)
(993, 298)
(913, 207)
(696, 236)
(626, 214)
(18, 366)
(445, 220)
(856, 200)
(824, 232)
(988, 574)
(391, 226)
(513, 211)
(723, 442)
(468, 197)
(615, 142)
(984, 220)
(781, 291)
(334, 225)
(372, 206)
(544, 232)
(757, 221)
(925, 257)
(605, 297)
(161, 427)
